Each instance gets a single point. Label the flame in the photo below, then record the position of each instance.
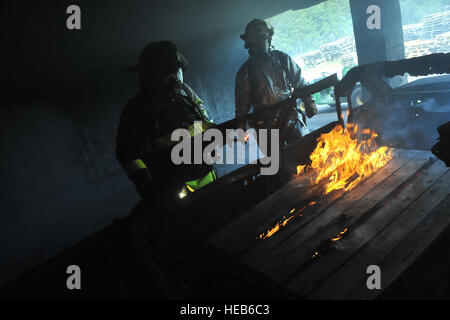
(334, 239)
(339, 236)
(301, 169)
(344, 157)
(284, 221)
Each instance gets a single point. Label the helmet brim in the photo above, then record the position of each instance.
(180, 63)
(262, 37)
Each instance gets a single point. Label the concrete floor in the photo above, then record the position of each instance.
(56, 223)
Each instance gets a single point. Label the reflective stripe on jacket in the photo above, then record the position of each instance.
(146, 124)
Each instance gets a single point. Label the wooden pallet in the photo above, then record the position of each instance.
(387, 220)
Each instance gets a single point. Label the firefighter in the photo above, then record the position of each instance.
(143, 145)
(164, 103)
(267, 77)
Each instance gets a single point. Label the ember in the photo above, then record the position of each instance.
(344, 157)
(339, 236)
(284, 221)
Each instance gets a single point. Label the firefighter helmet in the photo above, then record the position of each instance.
(160, 57)
(257, 30)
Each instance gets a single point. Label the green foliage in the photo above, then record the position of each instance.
(301, 31)
(413, 11)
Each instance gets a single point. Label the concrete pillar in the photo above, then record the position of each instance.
(384, 44)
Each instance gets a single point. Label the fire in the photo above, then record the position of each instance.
(340, 235)
(282, 223)
(344, 157)
(300, 169)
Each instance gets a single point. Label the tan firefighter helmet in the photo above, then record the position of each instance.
(257, 30)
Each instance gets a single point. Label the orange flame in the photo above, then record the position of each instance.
(301, 169)
(343, 160)
(340, 235)
(284, 222)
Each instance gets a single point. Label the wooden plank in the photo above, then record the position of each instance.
(355, 239)
(353, 272)
(417, 154)
(265, 247)
(241, 233)
(284, 261)
(410, 248)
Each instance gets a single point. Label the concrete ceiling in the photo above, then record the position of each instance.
(37, 47)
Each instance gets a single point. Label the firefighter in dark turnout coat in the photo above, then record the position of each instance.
(143, 143)
(164, 103)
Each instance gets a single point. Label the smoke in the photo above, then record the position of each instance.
(433, 105)
(405, 124)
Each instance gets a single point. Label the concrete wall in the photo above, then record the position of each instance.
(62, 94)
(384, 44)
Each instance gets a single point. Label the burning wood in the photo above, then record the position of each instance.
(341, 160)
(344, 157)
(340, 235)
(282, 223)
